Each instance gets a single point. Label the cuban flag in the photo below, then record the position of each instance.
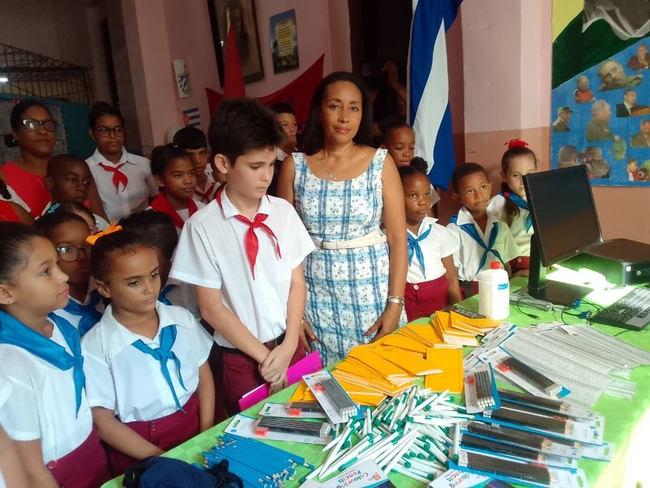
(428, 108)
(191, 117)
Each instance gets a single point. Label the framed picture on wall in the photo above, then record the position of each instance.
(284, 42)
(241, 14)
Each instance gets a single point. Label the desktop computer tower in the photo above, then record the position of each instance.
(620, 261)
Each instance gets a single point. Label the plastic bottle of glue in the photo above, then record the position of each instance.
(494, 292)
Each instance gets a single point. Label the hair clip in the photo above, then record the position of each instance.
(515, 143)
(92, 240)
(53, 208)
(506, 194)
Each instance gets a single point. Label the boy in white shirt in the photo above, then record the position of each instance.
(483, 237)
(244, 253)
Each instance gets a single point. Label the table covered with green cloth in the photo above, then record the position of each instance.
(627, 423)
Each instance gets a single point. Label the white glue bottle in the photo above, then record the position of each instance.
(494, 292)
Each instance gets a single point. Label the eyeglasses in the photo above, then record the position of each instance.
(70, 254)
(105, 131)
(32, 125)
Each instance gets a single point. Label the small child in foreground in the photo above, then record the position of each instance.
(244, 253)
(431, 281)
(47, 413)
(483, 237)
(148, 381)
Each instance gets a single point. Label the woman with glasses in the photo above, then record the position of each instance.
(124, 180)
(34, 130)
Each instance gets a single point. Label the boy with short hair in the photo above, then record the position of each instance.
(286, 118)
(69, 179)
(483, 237)
(244, 253)
(193, 141)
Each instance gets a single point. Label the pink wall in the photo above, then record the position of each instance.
(190, 38)
(160, 31)
(322, 28)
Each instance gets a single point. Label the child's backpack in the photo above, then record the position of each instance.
(160, 472)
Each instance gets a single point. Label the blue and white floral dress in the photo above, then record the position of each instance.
(346, 288)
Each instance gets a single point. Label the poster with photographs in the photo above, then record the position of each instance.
(601, 90)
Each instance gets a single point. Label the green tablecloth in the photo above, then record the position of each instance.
(627, 422)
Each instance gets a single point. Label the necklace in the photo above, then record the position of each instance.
(331, 175)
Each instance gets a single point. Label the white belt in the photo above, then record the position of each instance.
(375, 237)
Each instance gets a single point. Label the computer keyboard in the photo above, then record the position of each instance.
(630, 312)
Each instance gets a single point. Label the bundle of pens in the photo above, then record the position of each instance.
(530, 440)
(256, 463)
(408, 433)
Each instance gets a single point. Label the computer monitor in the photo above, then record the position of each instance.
(565, 221)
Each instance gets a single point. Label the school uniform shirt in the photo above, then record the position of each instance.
(518, 226)
(129, 382)
(129, 198)
(180, 294)
(469, 255)
(183, 213)
(42, 404)
(211, 254)
(75, 319)
(438, 244)
(206, 194)
(100, 222)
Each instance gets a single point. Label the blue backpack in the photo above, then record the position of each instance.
(160, 472)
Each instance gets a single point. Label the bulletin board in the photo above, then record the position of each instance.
(601, 90)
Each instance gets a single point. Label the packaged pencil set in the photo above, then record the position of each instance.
(530, 440)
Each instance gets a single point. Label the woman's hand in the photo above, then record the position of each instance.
(387, 322)
(306, 336)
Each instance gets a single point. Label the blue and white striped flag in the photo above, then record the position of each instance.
(191, 117)
(428, 108)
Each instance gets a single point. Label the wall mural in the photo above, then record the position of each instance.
(601, 90)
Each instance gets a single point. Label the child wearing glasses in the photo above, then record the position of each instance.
(68, 179)
(68, 233)
(124, 180)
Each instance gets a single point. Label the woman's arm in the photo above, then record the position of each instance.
(395, 227)
(286, 178)
(122, 437)
(205, 394)
(31, 458)
(23, 215)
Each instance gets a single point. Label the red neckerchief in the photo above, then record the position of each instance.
(251, 242)
(161, 204)
(205, 197)
(118, 176)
